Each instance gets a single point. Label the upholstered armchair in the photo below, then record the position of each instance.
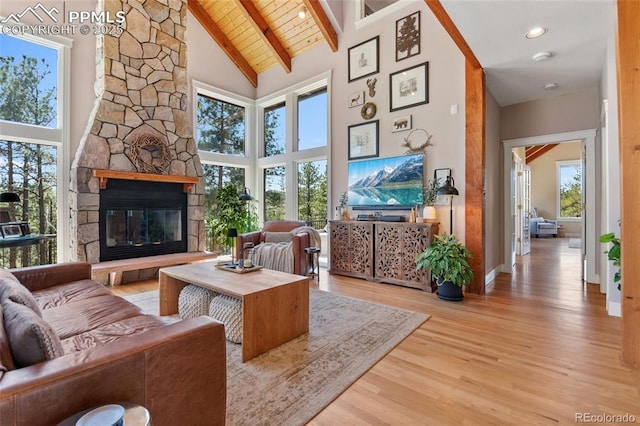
(541, 226)
(279, 231)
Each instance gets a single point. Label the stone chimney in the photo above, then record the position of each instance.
(140, 121)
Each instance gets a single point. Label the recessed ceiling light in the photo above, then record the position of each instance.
(535, 32)
(542, 56)
(302, 13)
(551, 86)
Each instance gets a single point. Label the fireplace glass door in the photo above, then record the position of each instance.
(143, 226)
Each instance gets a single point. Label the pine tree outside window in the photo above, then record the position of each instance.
(33, 142)
(569, 189)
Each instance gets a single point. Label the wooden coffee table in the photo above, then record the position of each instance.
(275, 305)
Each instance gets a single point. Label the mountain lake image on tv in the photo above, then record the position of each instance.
(386, 183)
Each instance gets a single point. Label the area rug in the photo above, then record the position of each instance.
(292, 383)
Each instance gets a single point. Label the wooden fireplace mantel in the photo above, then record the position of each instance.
(104, 175)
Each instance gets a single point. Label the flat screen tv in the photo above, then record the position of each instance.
(393, 183)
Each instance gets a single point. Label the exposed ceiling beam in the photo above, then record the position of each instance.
(271, 40)
(216, 33)
(445, 20)
(322, 20)
(533, 152)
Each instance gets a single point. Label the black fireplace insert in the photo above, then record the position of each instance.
(140, 218)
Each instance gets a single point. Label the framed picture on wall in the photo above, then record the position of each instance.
(408, 36)
(363, 140)
(400, 124)
(356, 99)
(409, 87)
(364, 59)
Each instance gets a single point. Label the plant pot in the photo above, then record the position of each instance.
(449, 291)
(429, 213)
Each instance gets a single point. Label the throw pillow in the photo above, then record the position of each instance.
(11, 288)
(277, 237)
(31, 339)
(6, 360)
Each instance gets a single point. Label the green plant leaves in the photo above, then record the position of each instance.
(447, 259)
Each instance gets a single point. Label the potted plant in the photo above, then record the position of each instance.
(447, 259)
(430, 195)
(613, 254)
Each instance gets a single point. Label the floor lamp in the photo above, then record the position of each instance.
(246, 197)
(449, 190)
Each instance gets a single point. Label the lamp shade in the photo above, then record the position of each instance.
(448, 188)
(246, 195)
(232, 232)
(9, 197)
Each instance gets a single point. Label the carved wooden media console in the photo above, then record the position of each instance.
(381, 251)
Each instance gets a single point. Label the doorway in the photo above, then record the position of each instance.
(590, 243)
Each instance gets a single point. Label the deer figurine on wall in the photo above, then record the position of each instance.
(371, 84)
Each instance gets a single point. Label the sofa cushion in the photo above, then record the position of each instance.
(6, 360)
(79, 316)
(111, 332)
(31, 339)
(64, 293)
(10, 288)
(277, 237)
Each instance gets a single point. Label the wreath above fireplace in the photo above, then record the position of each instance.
(149, 154)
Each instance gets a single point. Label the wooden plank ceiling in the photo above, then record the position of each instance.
(259, 34)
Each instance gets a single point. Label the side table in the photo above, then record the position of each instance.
(134, 415)
(313, 253)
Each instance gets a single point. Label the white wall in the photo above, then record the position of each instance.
(493, 203)
(566, 113)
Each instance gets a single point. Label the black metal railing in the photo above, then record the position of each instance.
(43, 253)
(318, 224)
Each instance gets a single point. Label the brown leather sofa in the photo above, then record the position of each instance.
(299, 241)
(111, 352)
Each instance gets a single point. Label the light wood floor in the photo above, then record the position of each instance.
(537, 349)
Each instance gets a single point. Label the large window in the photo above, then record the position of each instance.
(312, 193)
(275, 194)
(569, 192)
(275, 130)
(293, 162)
(32, 141)
(312, 119)
(222, 127)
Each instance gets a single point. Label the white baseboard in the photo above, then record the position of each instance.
(614, 309)
(492, 274)
(572, 235)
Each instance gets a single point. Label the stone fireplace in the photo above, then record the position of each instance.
(140, 128)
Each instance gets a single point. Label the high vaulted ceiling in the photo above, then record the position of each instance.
(260, 34)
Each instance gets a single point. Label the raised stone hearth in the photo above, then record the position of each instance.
(140, 121)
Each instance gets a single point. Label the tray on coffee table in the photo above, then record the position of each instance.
(238, 269)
